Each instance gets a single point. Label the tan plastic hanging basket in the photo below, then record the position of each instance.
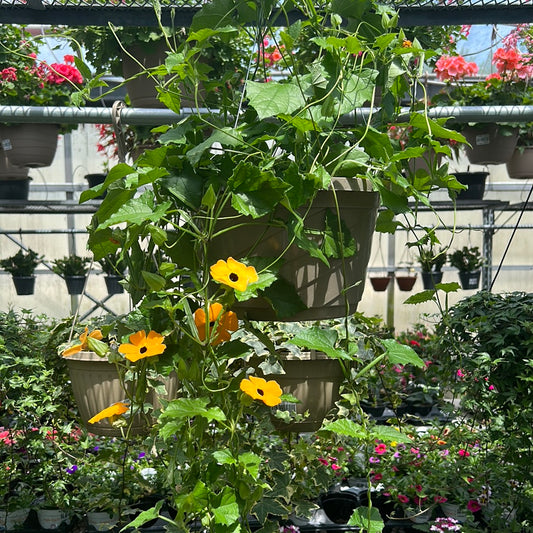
(96, 385)
(315, 380)
(321, 288)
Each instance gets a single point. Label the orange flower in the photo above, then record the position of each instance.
(96, 334)
(223, 323)
(141, 346)
(111, 412)
(268, 392)
(234, 274)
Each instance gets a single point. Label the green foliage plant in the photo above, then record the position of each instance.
(487, 340)
(431, 260)
(262, 156)
(113, 265)
(23, 263)
(466, 259)
(72, 265)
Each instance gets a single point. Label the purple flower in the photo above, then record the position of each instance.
(374, 460)
(72, 469)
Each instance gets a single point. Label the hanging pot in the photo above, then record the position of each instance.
(96, 385)
(430, 279)
(96, 179)
(320, 287)
(489, 145)
(30, 145)
(52, 518)
(520, 166)
(470, 280)
(113, 284)
(75, 284)
(315, 382)
(405, 283)
(475, 181)
(24, 285)
(15, 188)
(9, 171)
(10, 520)
(101, 520)
(380, 283)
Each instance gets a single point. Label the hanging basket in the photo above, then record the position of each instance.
(113, 284)
(380, 283)
(15, 188)
(470, 280)
(75, 284)
(520, 166)
(24, 285)
(30, 145)
(430, 279)
(475, 181)
(489, 144)
(9, 171)
(96, 385)
(316, 383)
(320, 287)
(405, 283)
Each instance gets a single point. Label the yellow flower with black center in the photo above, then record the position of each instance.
(141, 346)
(222, 322)
(112, 412)
(269, 392)
(96, 334)
(233, 273)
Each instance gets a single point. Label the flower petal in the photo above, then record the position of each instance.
(72, 350)
(113, 410)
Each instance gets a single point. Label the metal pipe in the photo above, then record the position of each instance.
(154, 117)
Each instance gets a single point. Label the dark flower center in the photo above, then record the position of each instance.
(233, 277)
(143, 349)
(260, 392)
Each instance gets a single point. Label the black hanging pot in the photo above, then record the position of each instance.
(475, 181)
(113, 284)
(470, 280)
(75, 284)
(24, 285)
(430, 279)
(96, 179)
(14, 189)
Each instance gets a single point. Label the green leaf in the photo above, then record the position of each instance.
(401, 354)
(187, 186)
(224, 457)
(145, 516)
(137, 211)
(227, 514)
(347, 428)
(317, 338)
(251, 462)
(337, 244)
(255, 192)
(266, 507)
(154, 281)
(372, 523)
(273, 98)
(191, 407)
(224, 136)
(448, 287)
(284, 299)
(389, 434)
(421, 297)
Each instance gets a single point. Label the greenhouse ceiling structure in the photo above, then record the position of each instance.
(180, 13)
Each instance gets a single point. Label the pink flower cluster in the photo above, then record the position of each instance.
(64, 72)
(511, 64)
(270, 54)
(453, 68)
